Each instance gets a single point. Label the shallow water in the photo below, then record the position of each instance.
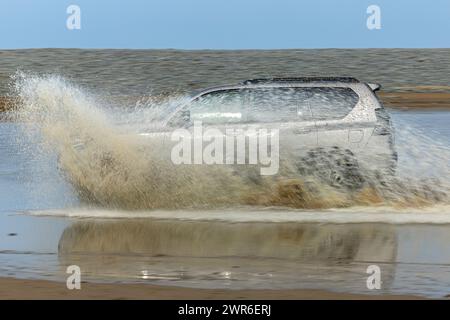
(44, 228)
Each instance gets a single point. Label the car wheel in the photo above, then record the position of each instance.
(336, 167)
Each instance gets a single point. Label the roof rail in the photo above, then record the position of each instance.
(302, 79)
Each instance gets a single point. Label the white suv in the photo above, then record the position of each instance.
(333, 125)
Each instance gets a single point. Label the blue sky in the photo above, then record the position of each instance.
(224, 24)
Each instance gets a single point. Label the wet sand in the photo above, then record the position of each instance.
(416, 100)
(11, 288)
(5, 104)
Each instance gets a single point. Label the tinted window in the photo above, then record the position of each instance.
(224, 106)
(277, 105)
(273, 105)
(331, 103)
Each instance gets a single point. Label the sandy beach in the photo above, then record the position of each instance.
(11, 288)
(416, 100)
(45, 227)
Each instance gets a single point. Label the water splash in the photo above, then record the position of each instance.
(110, 165)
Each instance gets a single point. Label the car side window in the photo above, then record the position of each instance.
(278, 105)
(331, 103)
(224, 106)
(272, 104)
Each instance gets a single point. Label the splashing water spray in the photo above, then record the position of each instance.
(109, 165)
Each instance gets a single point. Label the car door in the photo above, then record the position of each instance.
(215, 116)
(330, 106)
(285, 109)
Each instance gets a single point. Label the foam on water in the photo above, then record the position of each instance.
(439, 214)
(114, 169)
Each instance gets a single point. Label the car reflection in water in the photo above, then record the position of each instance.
(231, 255)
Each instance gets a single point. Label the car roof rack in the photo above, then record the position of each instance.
(302, 79)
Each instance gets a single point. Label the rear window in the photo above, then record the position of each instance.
(331, 103)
